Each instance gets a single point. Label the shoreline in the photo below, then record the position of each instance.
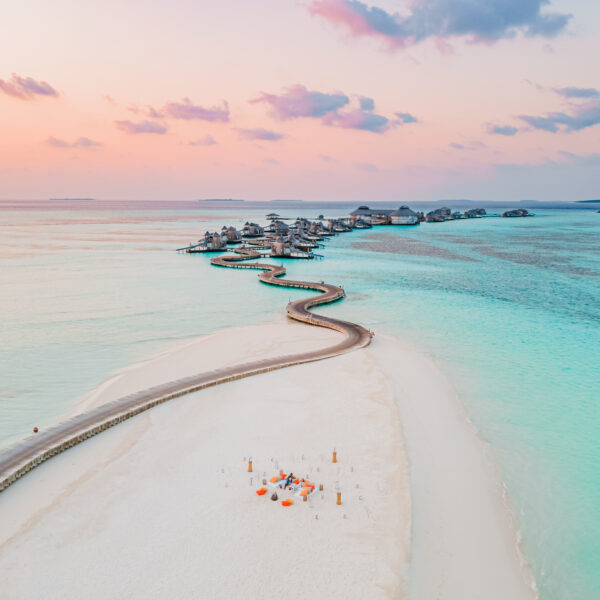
(450, 459)
(370, 372)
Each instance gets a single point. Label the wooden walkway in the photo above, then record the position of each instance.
(20, 459)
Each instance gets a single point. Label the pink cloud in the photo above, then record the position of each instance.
(26, 88)
(358, 119)
(342, 12)
(260, 134)
(207, 140)
(184, 110)
(297, 101)
(131, 128)
(82, 142)
(188, 111)
(477, 21)
(149, 111)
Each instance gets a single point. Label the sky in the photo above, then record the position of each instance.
(374, 100)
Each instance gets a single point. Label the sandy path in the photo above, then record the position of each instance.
(163, 505)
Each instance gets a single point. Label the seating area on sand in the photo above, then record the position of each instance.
(299, 487)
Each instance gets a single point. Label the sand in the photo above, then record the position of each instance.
(163, 506)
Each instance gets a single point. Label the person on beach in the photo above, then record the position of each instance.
(288, 481)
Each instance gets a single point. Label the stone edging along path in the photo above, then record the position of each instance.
(28, 454)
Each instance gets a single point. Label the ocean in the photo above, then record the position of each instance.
(509, 308)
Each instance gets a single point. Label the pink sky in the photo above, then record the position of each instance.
(318, 99)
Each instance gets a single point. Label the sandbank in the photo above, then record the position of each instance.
(163, 505)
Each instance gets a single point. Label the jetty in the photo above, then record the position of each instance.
(278, 240)
(40, 447)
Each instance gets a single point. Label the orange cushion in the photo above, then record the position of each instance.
(287, 502)
(274, 479)
(296, 481)
(283, 476)
(304, 492)
(262, 491)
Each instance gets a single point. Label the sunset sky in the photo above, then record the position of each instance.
(312, 99)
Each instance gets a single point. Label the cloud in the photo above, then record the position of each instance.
(187, 111)
(367, 103)
(82, 142)
(476, 145)
(260, 134)
(581, 116)
(26, 88)
(575, 92)
(110, 100)
(184, 110)
(358, 119)
(507, 130)
(154, 114)
(271, 161)
(297, 101)
(149, 111)
(404, 118)
(208, 140)
(131, 128)
(478, 20)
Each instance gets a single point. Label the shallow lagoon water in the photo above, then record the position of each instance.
(509, 308)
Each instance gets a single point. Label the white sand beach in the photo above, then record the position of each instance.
(163, 506)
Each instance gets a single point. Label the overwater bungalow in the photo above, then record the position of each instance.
(302, 223)
(278, 228)
(364, 213)
(252, 230)
(316, 228)
(210, 242)
(285, 248)
(337, 226)
(383, 216)
(232, 234)
(272, 216)
(360, 224)
(517, 212)
(474, 213)
(301, 242)
(404, 216)
(439, 215)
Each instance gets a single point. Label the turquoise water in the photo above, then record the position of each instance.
(509, 307)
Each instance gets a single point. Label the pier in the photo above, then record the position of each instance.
(356, 336)
(31, 452)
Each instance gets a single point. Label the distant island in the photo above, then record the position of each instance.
(219, 200)
(72, 199)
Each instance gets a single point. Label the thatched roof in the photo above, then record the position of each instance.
(403, 211)
(362, 211)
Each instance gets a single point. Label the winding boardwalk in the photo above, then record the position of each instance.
(20, 459)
